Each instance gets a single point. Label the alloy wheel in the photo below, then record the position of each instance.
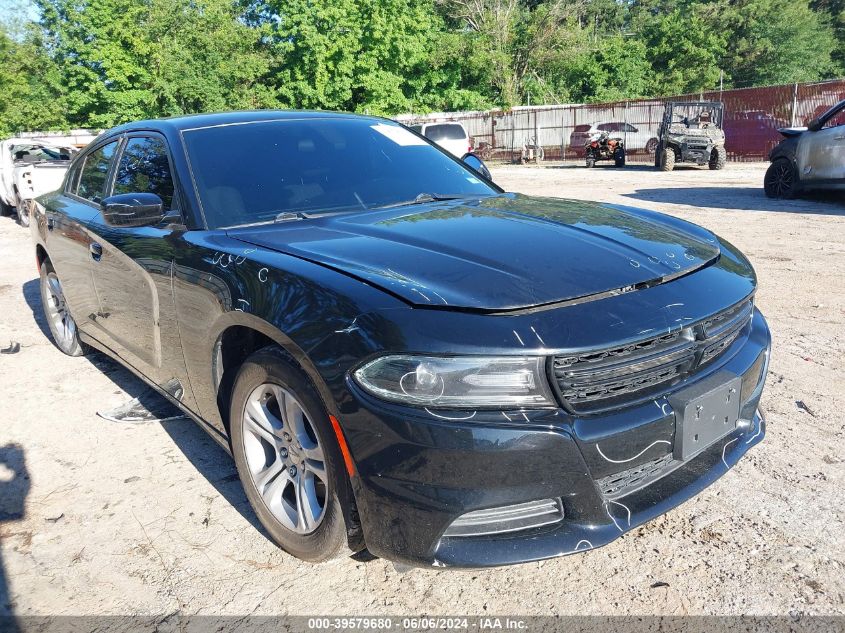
(62, 323)
(780, 179)
(286, 461)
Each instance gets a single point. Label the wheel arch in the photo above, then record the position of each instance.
(41, 255)
(240, 334)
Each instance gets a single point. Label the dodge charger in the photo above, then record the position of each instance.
(397, 354)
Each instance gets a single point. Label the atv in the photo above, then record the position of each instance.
(602, 146)
(691, 132)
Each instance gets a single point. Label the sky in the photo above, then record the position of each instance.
(14, 13)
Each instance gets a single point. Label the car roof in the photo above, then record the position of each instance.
(192, 121)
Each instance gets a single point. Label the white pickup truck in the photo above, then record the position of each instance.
(29, 167)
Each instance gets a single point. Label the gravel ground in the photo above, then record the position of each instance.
(99, 517)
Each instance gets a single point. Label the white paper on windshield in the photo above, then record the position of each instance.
(398, 135)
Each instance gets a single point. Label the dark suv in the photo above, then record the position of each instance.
(399, 355)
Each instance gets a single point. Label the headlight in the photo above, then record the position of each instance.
(476, 382)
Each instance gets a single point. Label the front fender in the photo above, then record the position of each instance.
(220, 282)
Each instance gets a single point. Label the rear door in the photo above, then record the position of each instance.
(821, 154)
(68, 236)
(133, 269)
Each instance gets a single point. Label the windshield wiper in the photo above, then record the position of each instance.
(424, 198)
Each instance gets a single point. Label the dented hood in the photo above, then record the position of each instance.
(500, 253)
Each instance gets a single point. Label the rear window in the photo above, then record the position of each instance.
(445, 132)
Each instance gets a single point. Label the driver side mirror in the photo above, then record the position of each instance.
(132, 209)
(477, 165)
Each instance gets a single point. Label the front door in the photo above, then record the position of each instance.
(132, 272)
(821, 154)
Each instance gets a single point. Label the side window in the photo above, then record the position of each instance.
(605, 127)
(144, 168)
(629, 128)
(92, 180)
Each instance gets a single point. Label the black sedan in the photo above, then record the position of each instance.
(399, 355)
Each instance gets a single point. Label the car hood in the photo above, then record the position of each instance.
(789, 132)
(500, 253)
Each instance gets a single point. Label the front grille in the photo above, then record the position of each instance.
(599, 379)
(619, 484)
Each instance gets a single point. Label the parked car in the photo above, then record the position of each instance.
(28, 168)
(636, 139)
(392, 348)
(811, 157)
(751, 132)
(450, 136)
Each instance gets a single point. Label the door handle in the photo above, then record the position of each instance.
(96, 251)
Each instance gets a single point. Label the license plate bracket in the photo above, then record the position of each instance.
(705, 413)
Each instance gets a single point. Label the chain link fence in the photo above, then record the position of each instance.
(752, 117)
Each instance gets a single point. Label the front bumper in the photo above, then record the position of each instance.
(419, 470)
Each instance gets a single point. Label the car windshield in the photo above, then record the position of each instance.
(255, 172)
(445, 132)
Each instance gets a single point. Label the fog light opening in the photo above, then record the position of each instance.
(503, 519)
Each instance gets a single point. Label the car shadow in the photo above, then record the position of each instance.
(32, 295)
(743, 199)
(209, 459)
(607, 165)
(14, 489)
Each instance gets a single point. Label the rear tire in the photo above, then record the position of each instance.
(718, 157)
(591, 162)
(288, 459)
(780, 180)
(5, 209)
(667, 159)
(56, 311)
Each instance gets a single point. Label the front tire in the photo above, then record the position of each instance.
(619, 157)
(667, 159)
(718, 158)
(56, 311)
(288, 458)
(780, 180)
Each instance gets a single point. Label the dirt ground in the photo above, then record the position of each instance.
(99, 517)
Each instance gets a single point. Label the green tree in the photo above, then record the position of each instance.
(612, 68)
(684, 51)
(775, 41)
(31, 85)
(124, 59)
